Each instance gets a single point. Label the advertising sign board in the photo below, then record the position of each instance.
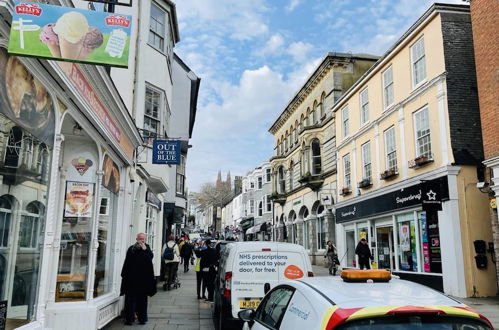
(166, 152)
(70, 34)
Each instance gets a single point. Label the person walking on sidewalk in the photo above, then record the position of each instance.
(199, 275)
(364, 253)
(138, 280)
(186, 254)
(332, 257)
(208, 267)
(171, 258)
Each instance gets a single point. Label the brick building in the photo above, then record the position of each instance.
(486, 44)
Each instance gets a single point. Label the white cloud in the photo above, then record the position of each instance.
(299, 50)
(272, 46)
(292, 5)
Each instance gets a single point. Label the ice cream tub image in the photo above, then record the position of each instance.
(70, 34)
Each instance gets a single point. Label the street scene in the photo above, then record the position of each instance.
(326, 164)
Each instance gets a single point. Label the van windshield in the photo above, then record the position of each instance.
(426, 322)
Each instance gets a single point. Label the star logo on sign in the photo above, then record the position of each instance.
(431, 195)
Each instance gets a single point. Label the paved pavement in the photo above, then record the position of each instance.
(179, 309)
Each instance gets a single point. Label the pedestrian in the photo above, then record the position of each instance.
(199, 275)
(364, 253)
(171, 258)
(186, 253)
(137, 280)
(208, 267)
(332, 257)
(181, 243)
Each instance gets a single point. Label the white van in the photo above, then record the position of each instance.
(247, 270)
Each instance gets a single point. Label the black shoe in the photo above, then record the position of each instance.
(204, 297)
(200, 297)
(142, 323)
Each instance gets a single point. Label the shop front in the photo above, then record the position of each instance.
(402, 236)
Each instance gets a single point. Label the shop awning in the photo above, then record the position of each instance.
(258, 228)
(156, 184)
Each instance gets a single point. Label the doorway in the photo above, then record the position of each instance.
(385, 248)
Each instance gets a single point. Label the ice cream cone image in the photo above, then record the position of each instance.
(54, 50)
(51, 39)
(71, 28)
(92, 40)
(70, 50)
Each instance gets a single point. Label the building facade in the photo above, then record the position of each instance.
(304, 164)
(409, 157)
(486, 47)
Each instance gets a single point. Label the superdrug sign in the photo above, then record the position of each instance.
(396, 200)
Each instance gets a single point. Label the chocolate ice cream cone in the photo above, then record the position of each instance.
(54, 50)
(70, 50)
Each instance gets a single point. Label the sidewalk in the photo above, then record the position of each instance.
(178, 309)
(486, 306)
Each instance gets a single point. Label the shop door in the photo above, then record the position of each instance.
(350, 253)
(385, 250)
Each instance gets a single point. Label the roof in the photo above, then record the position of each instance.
(393, 293)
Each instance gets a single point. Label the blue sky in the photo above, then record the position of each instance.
(253, 56)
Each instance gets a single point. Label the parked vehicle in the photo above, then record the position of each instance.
(363, 299)
(247, 270)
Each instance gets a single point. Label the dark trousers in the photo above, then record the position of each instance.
(199, 282)
(186, 263)
(210, 283)
(136, 303)
(364, 263)
(171, 272)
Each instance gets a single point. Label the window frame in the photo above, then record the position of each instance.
(364, 107)
(416, 61)
(386, 86)
(345, 121)
(268, 175)
(388, 158)
(417, 139)
(316, 159)
(347, 175)
(153, 31)
(155, 93)
(268, 204)
(366, 161)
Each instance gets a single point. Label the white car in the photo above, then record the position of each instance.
(247, 270)
(362, 300)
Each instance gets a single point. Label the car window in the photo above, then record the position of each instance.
(273, 307)
(426, 322)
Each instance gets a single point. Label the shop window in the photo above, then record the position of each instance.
(407, 242)
(316, 157)
(31, 224)
(5, 215)
(151, 220)
(14, 147)
(430, 242)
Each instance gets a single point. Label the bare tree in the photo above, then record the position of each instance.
(216, 195)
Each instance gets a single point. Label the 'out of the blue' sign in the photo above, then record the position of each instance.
(166, 152)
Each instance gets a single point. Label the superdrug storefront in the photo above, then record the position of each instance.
(401, 227)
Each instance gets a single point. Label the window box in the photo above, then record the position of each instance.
(345, 191)
(420, 161)
(389, 174)
(366, 183)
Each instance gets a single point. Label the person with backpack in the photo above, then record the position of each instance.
(209, 268)
(171, 258)
(186, 254)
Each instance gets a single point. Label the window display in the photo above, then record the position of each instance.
(407, 243)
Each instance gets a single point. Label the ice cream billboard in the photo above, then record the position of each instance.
(70, 34)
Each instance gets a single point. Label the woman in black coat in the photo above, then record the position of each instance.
(138, 280)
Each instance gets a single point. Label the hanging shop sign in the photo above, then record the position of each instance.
(166, 152)
(24, 99)
(79, 199)
(70, 34)
(396, 200)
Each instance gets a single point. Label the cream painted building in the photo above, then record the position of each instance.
(408, 133)
(304, 165)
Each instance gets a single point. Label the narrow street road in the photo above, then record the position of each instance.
(175, 309)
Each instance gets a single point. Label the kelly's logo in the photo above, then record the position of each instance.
(29, 9)
(117, 20)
